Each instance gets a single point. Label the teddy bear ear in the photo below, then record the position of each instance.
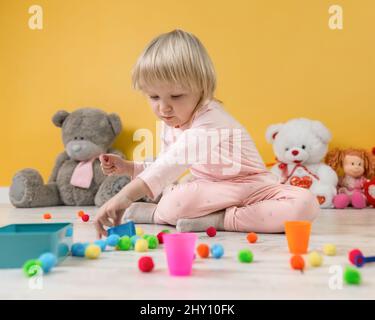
(321, 131)
(115, 122)
(59, 118)
(272, 132)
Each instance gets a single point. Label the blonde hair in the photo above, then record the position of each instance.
(176, 57)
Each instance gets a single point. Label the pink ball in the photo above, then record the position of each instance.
(145, 264)
(353, 254)
(211, 232)
(85, 218)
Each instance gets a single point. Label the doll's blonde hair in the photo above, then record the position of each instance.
(335, 159)
(177, 57)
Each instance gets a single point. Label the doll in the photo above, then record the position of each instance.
(357, 166)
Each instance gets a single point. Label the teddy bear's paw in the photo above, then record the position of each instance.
(110, 187)
(24, 186)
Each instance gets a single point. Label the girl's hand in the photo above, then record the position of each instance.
(112, 164)
(110, 214)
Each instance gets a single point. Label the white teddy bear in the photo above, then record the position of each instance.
(299, 146)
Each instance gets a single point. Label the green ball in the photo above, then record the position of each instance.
(146, 236)
(153, 242)
(166, 231)
(245, 256)
(124, 243)
(31, 267)
(352, 276)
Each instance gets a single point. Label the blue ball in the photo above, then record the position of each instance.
(48, 260)
(217, 251)
(78, 249)
(113, 240)
(101, 243)
(134, 240)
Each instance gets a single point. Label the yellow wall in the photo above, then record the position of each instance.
(275, 60)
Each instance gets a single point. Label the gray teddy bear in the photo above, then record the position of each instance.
(77, 178)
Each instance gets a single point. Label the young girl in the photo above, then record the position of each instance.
(238, 194)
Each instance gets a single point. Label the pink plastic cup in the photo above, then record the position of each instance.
(179, 248)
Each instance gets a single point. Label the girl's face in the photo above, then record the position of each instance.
(172, 104)
(353, 166)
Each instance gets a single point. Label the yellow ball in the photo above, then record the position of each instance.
(92, 251)
(141, 245)
(139, 231)
(315, 259)
(329, 249)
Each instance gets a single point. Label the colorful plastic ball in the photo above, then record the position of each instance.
(353, 254)
(134, 240)
(352, 276)
(101, 243)
(32, 267)
(47, 216)
(112, 240)
(315, 259)
(92, 251)
(139, 231)
(78, 249)
(329, 249)
(141, 245)
(203, 250)
(252, 237)
(166, 231)
(153, 242)
(80, 213)
(124, 243)
(297, 262)
(160, 235)
(146, 264)
(211, 231)
(245, 256)
(217, 251)
(85, 218)
(48, 261)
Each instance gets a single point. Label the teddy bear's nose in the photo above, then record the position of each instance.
(76, 147)
(295, 152)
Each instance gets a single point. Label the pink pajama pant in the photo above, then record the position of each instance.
(249, 206)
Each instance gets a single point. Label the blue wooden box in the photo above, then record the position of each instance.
(20, 242)
(126, 229)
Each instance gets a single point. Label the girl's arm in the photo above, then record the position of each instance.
(112, 211)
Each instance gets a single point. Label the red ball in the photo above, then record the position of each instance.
(297, 262)
(145, 264)
(160, 237)
(353, 253)
(211, 232)
(85, 218)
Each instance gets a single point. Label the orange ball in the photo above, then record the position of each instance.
(252, 237)
(81, 213)
(203, 250)
(47, 216)
(297, 262)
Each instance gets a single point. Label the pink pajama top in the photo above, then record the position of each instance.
(213, 145)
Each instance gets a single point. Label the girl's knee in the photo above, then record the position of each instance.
(307, 205)
(172, 207)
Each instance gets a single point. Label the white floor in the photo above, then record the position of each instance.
(115, 274)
